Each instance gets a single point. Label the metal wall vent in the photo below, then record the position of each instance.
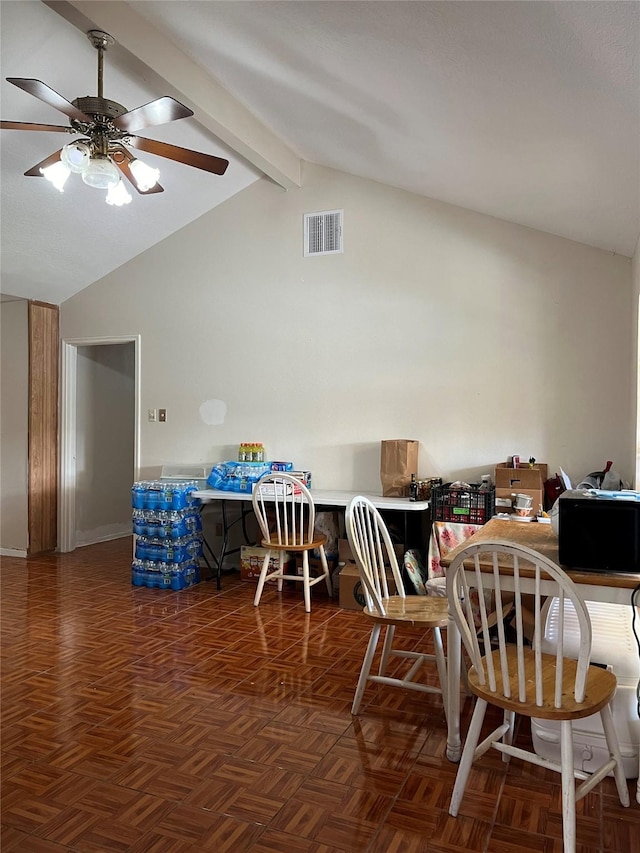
(323, 233)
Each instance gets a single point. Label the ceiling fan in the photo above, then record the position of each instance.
(106, 131)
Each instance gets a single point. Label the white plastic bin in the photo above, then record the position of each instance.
(613, 645)
(176, 473)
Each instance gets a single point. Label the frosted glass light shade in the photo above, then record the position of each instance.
(75, 156)
(57, 174)
(145, 176)
(101, 173)
(118, 195)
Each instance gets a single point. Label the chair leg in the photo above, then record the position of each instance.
(509, 717)
(305, 581)
(366, 668)
(614, 751)
(281, 566)
(441, 664)
(568, 787)
(470, 744)
(325, 569)
(262, 578)
(386, 649)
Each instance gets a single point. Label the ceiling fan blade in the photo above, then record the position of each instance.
(35, 171)
(40, 90)
(160, 111)
(25, 125)
(207, 162)
(126, 171)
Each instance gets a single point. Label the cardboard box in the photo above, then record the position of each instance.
(251, 559)
(351, 594)
(315, 565)
(303, 476)
(521, 480)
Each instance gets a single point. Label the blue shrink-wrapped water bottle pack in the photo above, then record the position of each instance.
(168, 529)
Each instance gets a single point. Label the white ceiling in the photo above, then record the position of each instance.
(527, 111)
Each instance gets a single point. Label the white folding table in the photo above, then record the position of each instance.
(333, 498)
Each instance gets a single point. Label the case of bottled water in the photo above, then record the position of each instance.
(168, 530)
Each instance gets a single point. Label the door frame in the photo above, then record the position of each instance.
(68, 428)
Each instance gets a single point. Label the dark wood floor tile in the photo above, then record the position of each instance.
(346, 833)
(403, 732)
(108, 835)
(300, 817)
(68, 826)
(161, 780)
(316, 719)
(296, 759)
(430, 787)
(390, 839)
(31, 746)
(272, 841)
(28, 813)
(14, 841)
(155, 842)
(230, 835)
(621, 834)
(459, 834)
(213, 794)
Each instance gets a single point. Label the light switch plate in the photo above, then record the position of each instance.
(162, 415)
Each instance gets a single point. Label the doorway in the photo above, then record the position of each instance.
(99, 438)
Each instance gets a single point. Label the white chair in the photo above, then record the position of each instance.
(520, 678)
(286, 515)
(372, 548)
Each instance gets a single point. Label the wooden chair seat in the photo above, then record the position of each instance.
(414, 610)
(296, 547)
(599, 690)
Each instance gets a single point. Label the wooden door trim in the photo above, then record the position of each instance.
(68, 428)
(42, 500)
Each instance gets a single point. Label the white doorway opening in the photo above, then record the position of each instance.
(99, 437)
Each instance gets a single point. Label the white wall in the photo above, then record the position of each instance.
(635, 388)
(478, 337)
(104, 441)
(14, 417)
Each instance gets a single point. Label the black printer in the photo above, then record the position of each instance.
(600, 534)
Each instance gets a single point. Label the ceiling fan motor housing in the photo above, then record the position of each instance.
(94, 106)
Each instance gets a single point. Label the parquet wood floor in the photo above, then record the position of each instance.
(146, 721)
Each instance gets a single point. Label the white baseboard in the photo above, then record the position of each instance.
(12, 552)
(95, 538)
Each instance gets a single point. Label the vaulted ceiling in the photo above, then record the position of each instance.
(526, 111)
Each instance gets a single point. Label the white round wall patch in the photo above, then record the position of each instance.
(213, 412)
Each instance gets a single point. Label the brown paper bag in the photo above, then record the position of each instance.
(398, 461)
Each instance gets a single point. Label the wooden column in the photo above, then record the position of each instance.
(44, 348)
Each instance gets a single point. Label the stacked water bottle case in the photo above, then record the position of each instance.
(168, 530)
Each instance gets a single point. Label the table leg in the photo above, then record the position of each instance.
(453, 684)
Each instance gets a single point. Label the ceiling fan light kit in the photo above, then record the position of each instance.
(118, 195)
(100, 172)
(56, 174)
(146, 176)
(75, 156)
(106, 127)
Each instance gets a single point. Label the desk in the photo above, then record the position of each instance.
(321, 498)
(593, 586)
